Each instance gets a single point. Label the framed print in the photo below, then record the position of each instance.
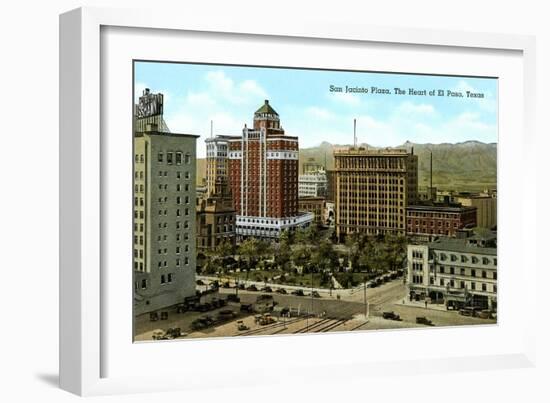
(323, 196)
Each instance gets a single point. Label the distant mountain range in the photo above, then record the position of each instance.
(467, 166)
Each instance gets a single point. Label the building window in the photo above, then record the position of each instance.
(494, 275)
(178, 158)
(169, 157)
(169, 277)
(161, 157)
(473, 273)
(483, 287)
(162, 279)
(484, 274)
(472, 286)
(143, 284)
(187, 158)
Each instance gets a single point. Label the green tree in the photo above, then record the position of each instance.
(301, 255)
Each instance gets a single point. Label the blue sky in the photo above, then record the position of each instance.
(196, 94)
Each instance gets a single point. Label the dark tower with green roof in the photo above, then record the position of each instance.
(266, 117)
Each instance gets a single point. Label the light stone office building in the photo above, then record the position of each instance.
(456, 272)
(164, 256)
(372, 190)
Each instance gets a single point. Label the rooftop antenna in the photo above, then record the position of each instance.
(354, 133)
(211, 128)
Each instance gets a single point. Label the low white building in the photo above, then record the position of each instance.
(456, 272)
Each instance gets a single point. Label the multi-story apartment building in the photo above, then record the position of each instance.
(426, 221)
(372, 189)
(164, 219)
(456, 272)
(312, 184)
(263, 174)
(315, 205)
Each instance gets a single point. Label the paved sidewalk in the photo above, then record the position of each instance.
(421, 304)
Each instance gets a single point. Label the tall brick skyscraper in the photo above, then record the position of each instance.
(263, 173)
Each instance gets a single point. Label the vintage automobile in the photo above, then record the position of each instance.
(247, 308)
(233, 298)
(299, 292)
(226, 314)
(422, 320)
(241, 326)
(315, 294)
(281, 291)
(252, 287)
(202, 323)
(391, 315)
(266, 289)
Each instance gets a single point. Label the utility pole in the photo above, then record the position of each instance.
(365, 297)
(354, 133)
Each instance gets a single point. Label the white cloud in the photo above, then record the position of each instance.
(201, 99)
(222, 86)
(319, 113)
(412, 109)
(252, 88)
(345, 98)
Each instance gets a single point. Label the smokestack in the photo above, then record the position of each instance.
(431, 170)
(431, 178)
(355, 133)
(211, 128)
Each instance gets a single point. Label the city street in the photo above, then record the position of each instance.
(327, 314)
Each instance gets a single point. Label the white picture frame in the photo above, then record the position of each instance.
(85, 344)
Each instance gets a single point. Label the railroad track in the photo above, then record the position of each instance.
(358, 326)
(268, 327)
(331, 326)
(310, 328)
